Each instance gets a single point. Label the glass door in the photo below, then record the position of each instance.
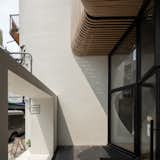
(122, 112)
(134, 88)
(148, 118)
(123, 93)
(148, 86)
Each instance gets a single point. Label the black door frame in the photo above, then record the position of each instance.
(154, 70)
(157, 62)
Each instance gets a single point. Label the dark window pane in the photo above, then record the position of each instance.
(122, 118)
(147, 41)
(123, 62)
(148, 113)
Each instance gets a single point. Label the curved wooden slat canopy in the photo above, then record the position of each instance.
(105, 8)
(98, 37)
(102, 24)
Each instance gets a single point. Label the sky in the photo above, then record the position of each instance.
(8, 7)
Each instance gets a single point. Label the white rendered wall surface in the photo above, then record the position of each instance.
(40, 126)
(45, 29)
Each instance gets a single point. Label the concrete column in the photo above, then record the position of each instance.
(3, 113)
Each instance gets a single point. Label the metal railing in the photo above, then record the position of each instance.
(25, 59)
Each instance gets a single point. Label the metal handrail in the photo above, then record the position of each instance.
(22, 59)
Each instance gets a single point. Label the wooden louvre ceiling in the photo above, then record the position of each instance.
(103, 8)
(102, 24)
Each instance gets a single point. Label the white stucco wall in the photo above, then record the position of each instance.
(46, 32)
(40, 126)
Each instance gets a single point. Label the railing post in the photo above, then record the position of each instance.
(3, 112)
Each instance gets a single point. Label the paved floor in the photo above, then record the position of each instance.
(87, 153)
(80, 153)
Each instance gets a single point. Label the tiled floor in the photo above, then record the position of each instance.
(87, 153)
(80, 153)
